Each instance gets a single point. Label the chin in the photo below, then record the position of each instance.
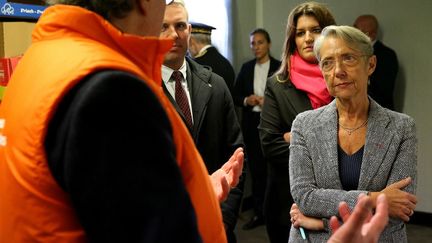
(310, 58)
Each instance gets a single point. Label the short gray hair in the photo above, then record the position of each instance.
(202, 38)
(352, 36)
(105, 8)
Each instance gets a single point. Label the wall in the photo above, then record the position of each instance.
(15, 38)
(405, 26)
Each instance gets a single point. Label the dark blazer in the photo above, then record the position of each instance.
(218, 64)
(216, 130)
(390, 154)
(244, 86)
(382, 80)
(283, 101)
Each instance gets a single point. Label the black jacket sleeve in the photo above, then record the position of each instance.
(240, 87)
(109, 146)
(228, 139)
(272, 128)
(282, 104)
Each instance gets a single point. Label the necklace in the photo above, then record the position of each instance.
(351, 130)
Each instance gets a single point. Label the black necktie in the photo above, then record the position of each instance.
(181, 97)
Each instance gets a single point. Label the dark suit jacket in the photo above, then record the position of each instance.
(382, 81)
(282, 104)
(218, 64)
(244, 86)
(216, 130)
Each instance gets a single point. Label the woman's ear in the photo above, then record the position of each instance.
(372, 64)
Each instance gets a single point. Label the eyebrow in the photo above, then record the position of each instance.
(313, 27)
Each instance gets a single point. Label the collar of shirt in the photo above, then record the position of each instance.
(167, 72)
(203, 50)
(170, 83)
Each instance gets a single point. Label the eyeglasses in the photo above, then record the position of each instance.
(348, 60)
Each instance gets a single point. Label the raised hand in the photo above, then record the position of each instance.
(234, 167)
(360, 226)
(228, 175)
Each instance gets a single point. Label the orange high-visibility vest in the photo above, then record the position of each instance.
(68, 44)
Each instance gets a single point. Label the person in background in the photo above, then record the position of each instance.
(382, 81)
(297, 86)
(214, 126)
(362, 225)
(351, 146)
(249, 95)
(204, 53)
(91, 149)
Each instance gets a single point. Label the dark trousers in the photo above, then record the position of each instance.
(277, 205)
(255, 160)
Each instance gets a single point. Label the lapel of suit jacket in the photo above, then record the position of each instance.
(250, 78)
(298, 100)
(200, 94)
(171, 99)
(326, 136)
(378, 139)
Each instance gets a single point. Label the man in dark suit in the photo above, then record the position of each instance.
(248, 94)
(382, 81)
(205, 54)
(207, 107)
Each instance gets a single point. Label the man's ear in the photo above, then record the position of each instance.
(141, 6)
(190, 29)
(189, 32)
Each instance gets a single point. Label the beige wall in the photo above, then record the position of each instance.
(404, 27)
(15, 38)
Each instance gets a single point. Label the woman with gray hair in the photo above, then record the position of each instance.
(351, 146)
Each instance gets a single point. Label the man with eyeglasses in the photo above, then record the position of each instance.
(91, 150)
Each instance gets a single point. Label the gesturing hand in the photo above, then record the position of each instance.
(228, 175)
(360, 226)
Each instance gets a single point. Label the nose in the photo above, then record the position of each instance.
(339, 70)
(309, 38)
(171, 33)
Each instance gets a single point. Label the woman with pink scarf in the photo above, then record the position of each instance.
(297, 86)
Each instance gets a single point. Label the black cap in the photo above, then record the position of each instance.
(200, 28)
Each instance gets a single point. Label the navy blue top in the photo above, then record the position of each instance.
(349, 168)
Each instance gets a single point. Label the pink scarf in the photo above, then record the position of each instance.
(308, 77)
